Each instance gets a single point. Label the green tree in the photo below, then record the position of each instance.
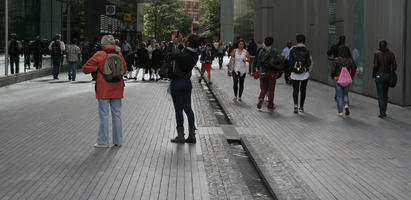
(163, 16)
(211, 16)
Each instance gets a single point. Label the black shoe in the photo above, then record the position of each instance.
(296, 109)
(199, 80)
(191, 136)
(381, 116)
(180, 136)
(347, 111)
(260, 103)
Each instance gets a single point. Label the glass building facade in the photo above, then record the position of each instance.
(27, 19)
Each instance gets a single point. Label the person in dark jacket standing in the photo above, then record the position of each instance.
(15, 47)
(180, 87)
(384, 65)
(343, 60)
(157, 57)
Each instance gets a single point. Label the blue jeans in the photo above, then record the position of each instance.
(342, 96)
(72, 70)
(56, 65)
(382, 80)
(103, 111)
(181, 94)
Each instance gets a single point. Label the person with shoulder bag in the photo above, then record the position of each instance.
(110, 67)
(238, 66)
(300, 67)
(342, 73)
(384, 69)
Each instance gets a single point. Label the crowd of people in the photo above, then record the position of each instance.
(111, 63)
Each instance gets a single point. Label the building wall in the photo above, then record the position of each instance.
(227, 21)
(381, 20)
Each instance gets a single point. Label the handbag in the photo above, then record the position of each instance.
(256, 75)
(345, 78)
(393, 79)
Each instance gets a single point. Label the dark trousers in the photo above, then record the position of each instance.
(14, 60)
(268, 85)
(56, 65)
(299, 86)
(181, 94)
(220, 60)
(38, 59)
(27, 60)
(251, 65)
(84, 58)
(382, 81)
(238, 79)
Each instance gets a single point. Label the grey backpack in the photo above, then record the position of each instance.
(113, 67)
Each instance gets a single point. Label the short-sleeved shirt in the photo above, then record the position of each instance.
(72, 52)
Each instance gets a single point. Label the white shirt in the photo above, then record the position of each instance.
(239, 64)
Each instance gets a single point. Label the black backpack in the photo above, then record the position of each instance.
(113, 70)
(272, 61)
(299, 57)
(14, 48)
(55, 48)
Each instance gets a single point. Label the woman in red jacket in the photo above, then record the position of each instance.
(108, 94)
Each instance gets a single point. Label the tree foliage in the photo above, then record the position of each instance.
(211, 16)
(163, 16)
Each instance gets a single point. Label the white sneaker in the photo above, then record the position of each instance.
(101, 146)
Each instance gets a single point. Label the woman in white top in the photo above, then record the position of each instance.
(238, 66)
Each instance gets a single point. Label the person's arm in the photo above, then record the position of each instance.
(230, 64)
(247, 56)
(393, 62)
(308, 61)
(51, 43)
(62, 46)
(92, 63)
(78, 55)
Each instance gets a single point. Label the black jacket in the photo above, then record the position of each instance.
(252, 49)
(142, 57)
(185, 62)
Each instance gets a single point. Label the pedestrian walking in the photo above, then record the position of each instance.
(85, 48)
(125, 47)
(57, 48)
(220, 53)
(130, 63)
(268, 74)
(300, 67)
(157, 57)
(333, 51)
(342, 64)
(38, 53)
(108, 92)
(181, 87)
(73, 53)
(286, 57)
(384, 69)
(150, 49)
(238, 66)
(142, 59)
(206, 60)
(14, 49)
(26, 53)
(252, 50)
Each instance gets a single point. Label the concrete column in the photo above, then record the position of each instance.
(227, 20)
(263, 19)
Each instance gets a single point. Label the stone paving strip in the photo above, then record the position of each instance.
(48, 129)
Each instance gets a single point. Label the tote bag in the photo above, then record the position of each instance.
(345, 78)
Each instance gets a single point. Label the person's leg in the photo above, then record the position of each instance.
(178, 101)
(187, 103)
(12, 62)
(303, 90)
(235, 86)
(209, 74)
(17, 61)
(103, 106)
(380, 92)
(116, 121)
(242, 79)
(296, 88)
(74, 72)
(271, 86)
(70, 70)
(385, 95)
(339, 94)
(264, 87)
